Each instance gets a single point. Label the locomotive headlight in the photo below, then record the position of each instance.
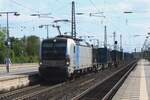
(54, 40)
(67, 63)
(40, 63)
(68, 60)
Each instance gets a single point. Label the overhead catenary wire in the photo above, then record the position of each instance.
(118, 29)
(23, 6)
(106, 18)
(93, 4)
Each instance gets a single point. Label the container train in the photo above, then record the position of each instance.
(63, 57)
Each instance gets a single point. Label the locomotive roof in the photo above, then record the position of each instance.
(64, 37)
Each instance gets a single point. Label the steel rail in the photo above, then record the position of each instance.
(111, 93)
(24, 97)
(101, 82)
(11, 93)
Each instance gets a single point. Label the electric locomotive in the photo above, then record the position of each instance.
(62, 56)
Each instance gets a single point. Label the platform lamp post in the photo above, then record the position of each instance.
(144, 47)
(47, 29)
(42, 15)
(127, 12)
(8, 38)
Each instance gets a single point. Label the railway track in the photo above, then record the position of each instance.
(63, 91)
(32, 91)
(105, 90)
(11, 94)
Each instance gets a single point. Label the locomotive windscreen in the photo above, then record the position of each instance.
(54, 49)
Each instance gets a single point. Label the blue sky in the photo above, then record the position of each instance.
(138, 21)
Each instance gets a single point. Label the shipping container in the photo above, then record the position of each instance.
(103, 55)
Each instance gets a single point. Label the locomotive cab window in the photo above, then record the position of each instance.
(54, 50)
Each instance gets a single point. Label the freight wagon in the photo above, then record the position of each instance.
(102, 57)
(117, 57)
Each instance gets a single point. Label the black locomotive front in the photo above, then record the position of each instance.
(53, 59)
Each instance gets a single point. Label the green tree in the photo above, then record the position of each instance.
(2, 46)
(22, 50)
(33, 46)
(17, 46)
(2, 53)
(2, 34)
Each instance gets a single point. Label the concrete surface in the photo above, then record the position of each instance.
(10, 82)
(20, 75)
(137, 85)
(19, 68)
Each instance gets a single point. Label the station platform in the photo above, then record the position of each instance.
(18, 69)
(137, 85)
(20, 75)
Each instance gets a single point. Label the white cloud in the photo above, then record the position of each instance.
(139, 25)
(119, 7)
(140, 1)
(111, 8)
(2, 2)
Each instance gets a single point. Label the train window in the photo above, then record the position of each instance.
(50, 45)
(47, 45)
(60, 44)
